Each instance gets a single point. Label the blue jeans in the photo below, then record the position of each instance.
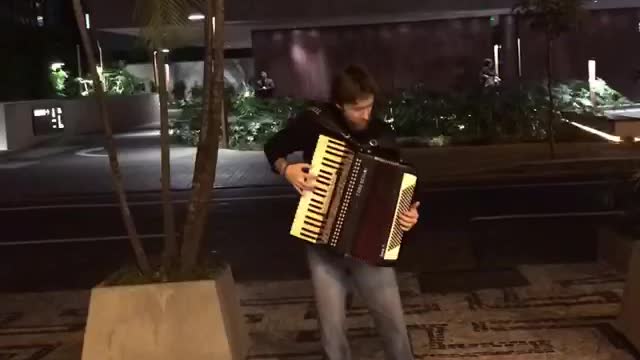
(331, 276)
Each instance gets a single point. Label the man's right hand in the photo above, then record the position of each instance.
(299, 175)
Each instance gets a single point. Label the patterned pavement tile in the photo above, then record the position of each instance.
(566, 312)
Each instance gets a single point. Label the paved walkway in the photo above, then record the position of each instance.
(552, 312)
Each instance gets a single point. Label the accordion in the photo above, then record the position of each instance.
(356, 202)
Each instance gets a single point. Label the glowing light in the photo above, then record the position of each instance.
(166, 51)
(592, 70)
(87, 21)
(496, 58)
(602, 134)
(298, 54)
(57, 65)
(196, 17)
(519, 58)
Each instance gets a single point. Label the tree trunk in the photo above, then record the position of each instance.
(116, 176)
(206, 90)
(170, 243)
(204, 178)
(225, 126)
(552, 111)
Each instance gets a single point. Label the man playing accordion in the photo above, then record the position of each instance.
(352, 97)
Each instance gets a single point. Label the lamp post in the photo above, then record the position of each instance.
(225, 121)
(592, 82)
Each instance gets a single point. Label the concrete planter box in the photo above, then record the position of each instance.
(615, 249)
(195, 320)
(629, 321)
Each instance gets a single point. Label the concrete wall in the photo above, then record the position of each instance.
(18, 126)
(144, 72)
(627, 128)
(236, 71)
(80, 116)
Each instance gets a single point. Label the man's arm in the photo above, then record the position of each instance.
(283, 143)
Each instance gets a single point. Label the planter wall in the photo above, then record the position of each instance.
(629, 320)
(186, 320)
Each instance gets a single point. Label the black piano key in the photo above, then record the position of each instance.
(309, 233)
(331, 161)
(327, 165)
(310, 230)
(320, 192)
(334, 153)
(323, 182)
(335, 143)
(314, 221)
(325, 172)
(308, 238)
(315, 212)
(310, 223)
(315, 201)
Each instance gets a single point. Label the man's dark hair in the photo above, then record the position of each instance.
(352, 84)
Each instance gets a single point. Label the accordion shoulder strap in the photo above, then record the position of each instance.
(328, 123)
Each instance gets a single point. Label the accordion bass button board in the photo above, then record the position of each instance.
(356, 203)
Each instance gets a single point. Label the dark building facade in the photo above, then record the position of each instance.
(446, 55)
(36, 33)
(441, 43)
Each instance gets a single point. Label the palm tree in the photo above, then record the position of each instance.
(552, 18)
(170, 244)
(161, 17)
(116, 175)
(207, 157)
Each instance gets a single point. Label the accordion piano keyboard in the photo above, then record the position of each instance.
(310, 217)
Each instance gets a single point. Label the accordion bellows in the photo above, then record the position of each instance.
(355, 206)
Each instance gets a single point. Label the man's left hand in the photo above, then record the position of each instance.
(410, 217)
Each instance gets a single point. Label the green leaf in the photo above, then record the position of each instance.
(161, 20)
